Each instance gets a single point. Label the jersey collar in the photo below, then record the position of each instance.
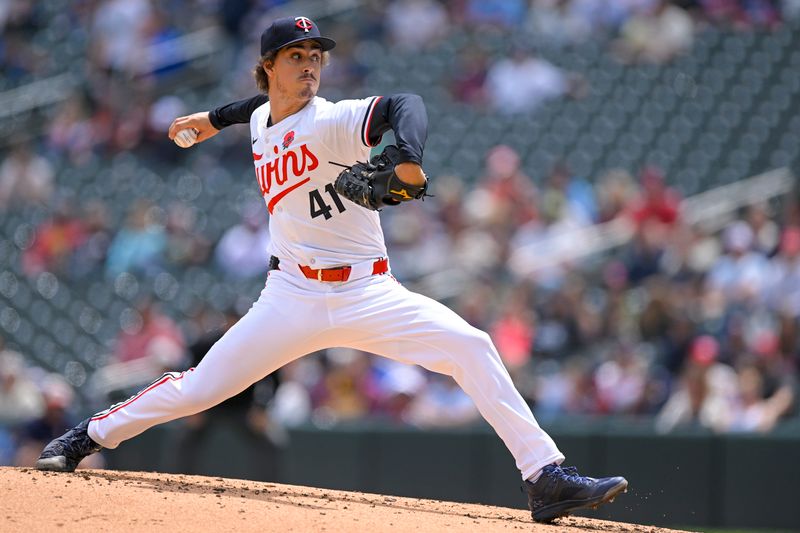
(266, 122)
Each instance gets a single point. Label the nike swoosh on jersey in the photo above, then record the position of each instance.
(254, 140)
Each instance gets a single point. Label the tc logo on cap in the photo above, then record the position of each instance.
(303, 23)
(290, 30)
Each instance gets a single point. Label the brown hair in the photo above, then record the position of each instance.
(260, 75)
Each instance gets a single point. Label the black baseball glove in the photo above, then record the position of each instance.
(374, 185)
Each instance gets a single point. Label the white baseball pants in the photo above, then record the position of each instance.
(295, 316)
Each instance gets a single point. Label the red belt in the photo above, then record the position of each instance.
(381, 266)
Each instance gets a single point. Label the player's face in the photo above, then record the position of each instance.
(296, 71)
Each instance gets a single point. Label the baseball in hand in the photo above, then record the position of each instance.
(186, 138)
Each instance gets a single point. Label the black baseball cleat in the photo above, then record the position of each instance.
(560, 491)
(64, 453)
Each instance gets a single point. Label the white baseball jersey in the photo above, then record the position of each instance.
(309, 223)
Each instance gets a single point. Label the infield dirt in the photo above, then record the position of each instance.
(106, 500)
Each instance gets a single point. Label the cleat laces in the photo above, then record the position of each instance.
(570, 473)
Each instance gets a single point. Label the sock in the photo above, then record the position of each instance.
(535, 477)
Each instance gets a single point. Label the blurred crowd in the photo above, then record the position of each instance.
(691, 327)
(127, 51)
(688, 326)
(695, 327)
(35, 407)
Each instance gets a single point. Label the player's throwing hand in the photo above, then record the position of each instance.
(198, 121)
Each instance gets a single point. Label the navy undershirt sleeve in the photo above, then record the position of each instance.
(405, 115)
(236, 112)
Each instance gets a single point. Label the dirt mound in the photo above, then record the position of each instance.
(105, 500)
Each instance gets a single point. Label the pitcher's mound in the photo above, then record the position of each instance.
(105, 500)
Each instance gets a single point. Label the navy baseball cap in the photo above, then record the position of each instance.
(285, 31)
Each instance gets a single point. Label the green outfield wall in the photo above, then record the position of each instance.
(689, 479)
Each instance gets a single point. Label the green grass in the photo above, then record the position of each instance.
(727, 530)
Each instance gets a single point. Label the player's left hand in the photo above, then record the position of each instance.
(376, 184)
(198, 121)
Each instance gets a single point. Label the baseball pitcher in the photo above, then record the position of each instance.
(329, 283)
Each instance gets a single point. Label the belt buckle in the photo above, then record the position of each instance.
(319, 275)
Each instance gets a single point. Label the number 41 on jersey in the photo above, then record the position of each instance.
(318, 205)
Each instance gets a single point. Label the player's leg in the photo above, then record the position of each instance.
(266, 338)
(412, 328)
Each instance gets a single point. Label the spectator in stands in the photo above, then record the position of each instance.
(743, 14)
(19, 55)
(657, 203)
(766, 232)
(468, 84)
(55, 241)
(151, 334)
(292, 405)
(161, 55)
(478, 304)
(620, 382)
(706, 394)
(644, 253)
(345, 76)
(25, 178)
(784, 278)
(118, 34)
(513, 197)
(441, 403)
(139, 246)
(71, 133)
(20, 399)
(129, 125)
(90, 256)
(56, 418)
(242, 250)
(656, 213)
(499, 14)
(568, 198)
(789, 339)
(524, 81)
(415, 255)
(414, 25)
(557, 21)
(777, 365)
(567, 387)
(741, 274)
(504, 199)
(158, 121)
(513, 332)
(347, 390)
(564, 22)
(185, 246)
(704, 250)
(790, 9)
(607, 17)
(615, 191)
(753, 411)
(449, 210)
(394, 387)
(655, 35)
